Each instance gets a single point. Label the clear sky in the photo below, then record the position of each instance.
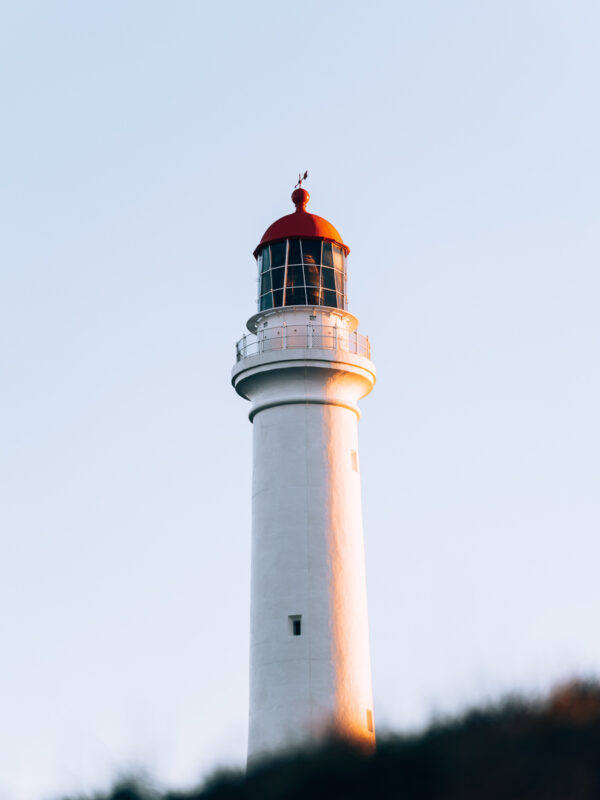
(144, 149)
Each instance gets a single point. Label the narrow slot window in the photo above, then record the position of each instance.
(354, 460)
(295, 624)
(369, 720)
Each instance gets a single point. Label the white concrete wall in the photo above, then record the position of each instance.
(307, 550)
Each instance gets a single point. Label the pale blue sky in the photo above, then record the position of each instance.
(144, 149)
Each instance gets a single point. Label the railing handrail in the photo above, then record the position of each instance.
(307, 336)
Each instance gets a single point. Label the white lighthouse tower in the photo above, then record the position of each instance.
(303, 368)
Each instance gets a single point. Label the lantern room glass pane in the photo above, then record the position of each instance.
(338, 258)
(297, 262)
(277, 277)
(312, 275)
(295, 275)
(266, 302)
(328, 278)
(278, 254)
(329, 298)
(266, 259)
(265, 283)
(311, 251)
(294, 256)
(295, 297)
(313, 295)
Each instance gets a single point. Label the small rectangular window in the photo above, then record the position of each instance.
(354, 460)
(295, 624)
(369, 720)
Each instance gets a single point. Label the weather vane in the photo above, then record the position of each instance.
(300, 179)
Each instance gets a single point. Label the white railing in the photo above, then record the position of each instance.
(288, 337)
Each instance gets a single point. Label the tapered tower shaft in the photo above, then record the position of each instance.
(303, 370)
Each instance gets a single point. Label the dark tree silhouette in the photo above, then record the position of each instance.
(517, 750)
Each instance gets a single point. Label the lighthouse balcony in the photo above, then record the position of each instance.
(289, 337)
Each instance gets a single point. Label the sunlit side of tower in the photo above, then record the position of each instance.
(303, 368)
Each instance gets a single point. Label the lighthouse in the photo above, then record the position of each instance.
(304, 366)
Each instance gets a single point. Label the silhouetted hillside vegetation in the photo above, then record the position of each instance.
(514, 751)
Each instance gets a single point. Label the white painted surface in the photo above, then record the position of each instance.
(302, 314)
(307, 548)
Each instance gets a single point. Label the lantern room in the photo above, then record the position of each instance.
(301, 261)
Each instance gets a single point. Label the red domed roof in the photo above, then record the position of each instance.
(301, 224)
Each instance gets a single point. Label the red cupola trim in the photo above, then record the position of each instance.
(300, 198)
(301, 225)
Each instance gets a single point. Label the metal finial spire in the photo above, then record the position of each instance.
(300, 179)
